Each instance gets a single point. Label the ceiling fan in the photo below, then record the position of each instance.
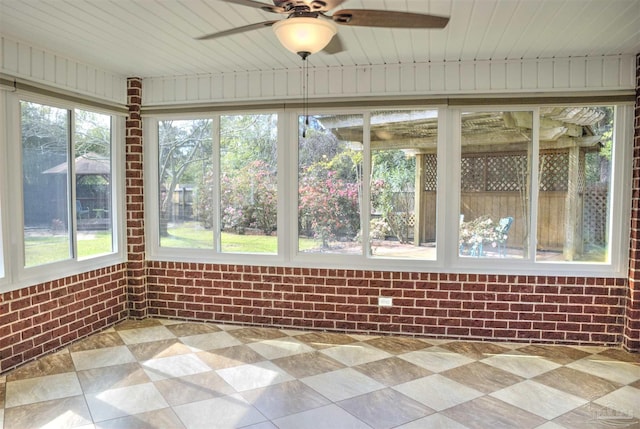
(308, 28)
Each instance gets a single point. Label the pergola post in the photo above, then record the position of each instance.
(418, 210)
(572, 239)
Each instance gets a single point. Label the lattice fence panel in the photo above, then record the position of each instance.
(473, 170)
(430, 172)
(554, 171)
(506, 173)
(594, 217)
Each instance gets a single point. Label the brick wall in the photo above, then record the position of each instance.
(45, 317)
(632, 323)
(136, 272)
(521, 308)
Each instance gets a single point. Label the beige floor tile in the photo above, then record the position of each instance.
(342, 384)
(253, 334)
(398, 345)
(539, 399)
(482, 377)
(157, 419)
(327, 417)
(475, 350)
(191, 328)
(158, 373)
(286, 398)
(124, 401)
(620, 372)
(487, 412)
(254, 376)
(111, 377)
(436, 359)
(39, 389)
(137, 324)
(98, 358)
(68, 412)
(594, 416)
(281, 347)
(219, 413)
(159, 349)
(193, 388)
(56, 363)
(625, 400)
(436, 421)
(211, 341)
(308, 364)
(355, 353)
(230, 356)
(323, 340)
(392, 371)
(145, 335)
(587, 386)
(555, 353)
(174, 366)
(526, 366)
(437, 392)
(385, 408)
(97, 341)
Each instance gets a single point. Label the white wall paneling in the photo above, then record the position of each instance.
(39, 66)
(604, 73)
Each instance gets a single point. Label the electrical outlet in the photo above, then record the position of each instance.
(384, 301)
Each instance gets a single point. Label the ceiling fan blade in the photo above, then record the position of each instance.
(237, 30)
(264, 6)
(335, 46)
(314, 5)
(389, 19)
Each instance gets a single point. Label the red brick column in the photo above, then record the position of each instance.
(136, 272)
(631, 339)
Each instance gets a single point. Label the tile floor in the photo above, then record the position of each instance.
(170, 374)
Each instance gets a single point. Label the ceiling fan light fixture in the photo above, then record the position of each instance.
(303, 34)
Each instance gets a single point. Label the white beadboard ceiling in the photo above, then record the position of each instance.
(152, 38)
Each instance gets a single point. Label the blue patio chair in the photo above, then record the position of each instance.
(503, 234)
(82, 212)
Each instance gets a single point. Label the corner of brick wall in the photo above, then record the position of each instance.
(631, 340)
(136, 269)
(40, 319)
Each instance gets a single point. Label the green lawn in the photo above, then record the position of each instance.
(190, 235)
(43, 249)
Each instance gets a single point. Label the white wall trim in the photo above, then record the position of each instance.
(37, 65)
(550, 75)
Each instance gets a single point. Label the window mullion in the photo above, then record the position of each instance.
(216, 189)
(534, 188)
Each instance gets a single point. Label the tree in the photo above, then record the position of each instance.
(184, 154)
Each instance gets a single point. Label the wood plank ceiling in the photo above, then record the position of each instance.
(149, 38)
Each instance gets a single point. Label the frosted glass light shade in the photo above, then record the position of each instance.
(304, 34)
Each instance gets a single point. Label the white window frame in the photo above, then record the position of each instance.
(151, 190)
(448, 200)
(16, 274)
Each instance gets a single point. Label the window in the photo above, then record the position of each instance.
(66, 194)
(330, 184)
(495, 177)
(403, 184)
(233, 211)
(574, 183)
(501, 190)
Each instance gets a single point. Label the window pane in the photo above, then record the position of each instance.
(186, 183)
(330, 184)
(45, 184)
(495, 184)
(249, 183)
(574, 183)
(403, 184)
(93, 183)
